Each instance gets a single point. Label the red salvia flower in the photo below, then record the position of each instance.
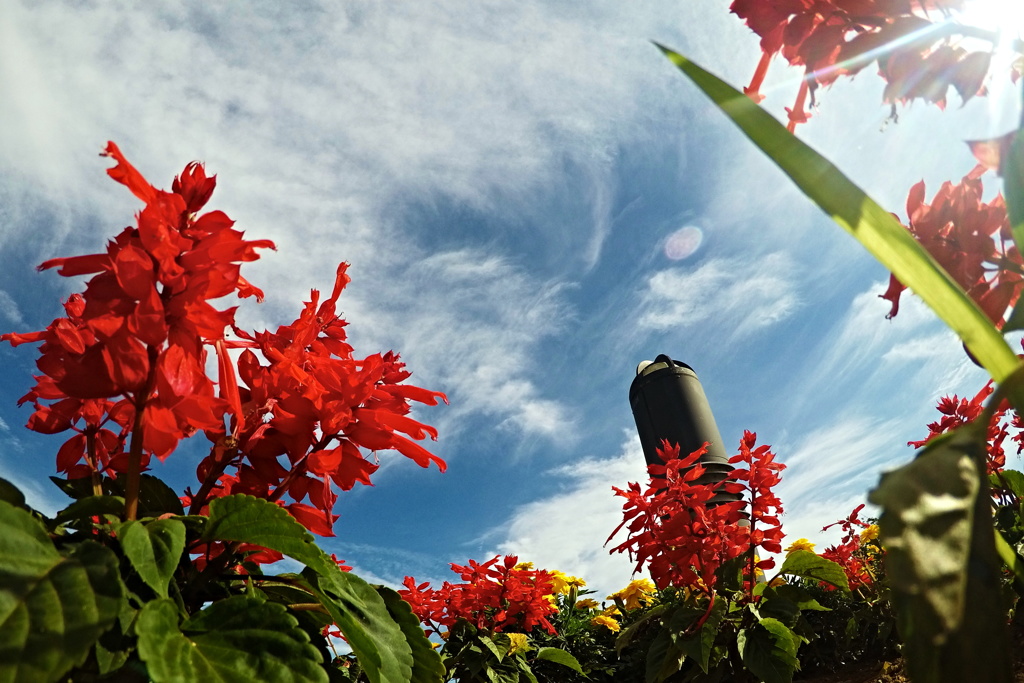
(683, 538)
(832, 38)
(127, 364)
(971, 239)
(495, 596)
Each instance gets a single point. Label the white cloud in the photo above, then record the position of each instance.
(567, 531)
(722, 293)
(471, 323)
(9, 309)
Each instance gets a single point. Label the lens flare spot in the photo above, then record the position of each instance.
(683, 243)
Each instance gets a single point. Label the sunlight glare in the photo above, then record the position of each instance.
(1004, 16)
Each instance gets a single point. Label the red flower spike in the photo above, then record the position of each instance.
(833, 38)
(971, 240)
(495, 596)
(674, 529)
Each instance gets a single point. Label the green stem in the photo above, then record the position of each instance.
(90, 455)
(131, 489)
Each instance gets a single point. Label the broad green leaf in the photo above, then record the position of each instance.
(776, 607)
(799, 597)
(663, 658)
(1013, 479)
(237, 640)
(807, 565)
(427, 666)
(247, 519)
(155, 497)
(379, 642)
(492, 647)
(154, 549)
(862, 217)
(769, 651)
(699, 645)
(90, 506)
(559, 656)
(359, 611)
(9, 493)
(52, 607)
(941, 562)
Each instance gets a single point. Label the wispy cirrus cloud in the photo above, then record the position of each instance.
(722, 294)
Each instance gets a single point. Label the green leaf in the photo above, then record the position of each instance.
(1012, 479)
(1013, 561)
(663, 658)
(247, 519)
(154, 549)
(237, 640)
(427, 666)
(626, 636)
(155, 497)
(9, 493)
(941, 562)
(807, 565)
(799, 597)
(52, 608)
(776, 607)
(769, 651)
(699, 646)
(90, 506)
(559, 656)
(359, 611)
(862, 217)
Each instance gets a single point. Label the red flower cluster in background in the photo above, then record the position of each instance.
(958, 411)
(851, 554)
(682, 535)
(125, 368)
(496, 596)
(971, 239)
(831, 38)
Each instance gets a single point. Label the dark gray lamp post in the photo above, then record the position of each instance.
(668, 402)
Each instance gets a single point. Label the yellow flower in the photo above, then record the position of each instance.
(800, 544)
(561, 582)
(607, 622)
(518, 642)
(611, 611)
(869, 534)
(587, 603)
(524, 566)
(638, 591)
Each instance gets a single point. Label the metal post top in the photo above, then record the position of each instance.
(662, 365)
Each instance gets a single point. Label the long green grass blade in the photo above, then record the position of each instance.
(862, 217)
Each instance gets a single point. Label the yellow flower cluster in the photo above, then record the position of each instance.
(800, 544)
(587, 603)
(606, 621)
(637, 593)
(869, 534)
(562, 583)
(518, 642)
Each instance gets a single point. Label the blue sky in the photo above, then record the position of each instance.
(504, 178)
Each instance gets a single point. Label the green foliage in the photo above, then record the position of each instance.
(807, 565)
(154, 549)
(237, 640)
(942, 562)
(53, 606)
(85, 597)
